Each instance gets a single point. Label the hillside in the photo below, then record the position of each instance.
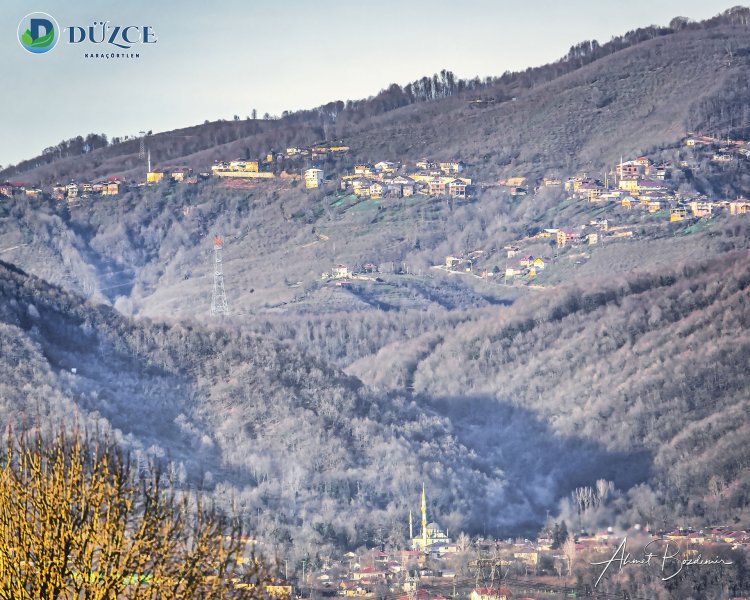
(307, 452)
(644, 89)
(651, 363)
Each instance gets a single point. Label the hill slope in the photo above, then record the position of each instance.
(644, 89)
(652, 363)
(308, 453)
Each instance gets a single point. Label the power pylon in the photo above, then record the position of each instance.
(218, 297)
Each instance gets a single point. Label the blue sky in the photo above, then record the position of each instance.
(217, 59)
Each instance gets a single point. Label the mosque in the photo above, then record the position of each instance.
(430, 538)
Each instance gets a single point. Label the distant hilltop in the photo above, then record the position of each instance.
(639, 88)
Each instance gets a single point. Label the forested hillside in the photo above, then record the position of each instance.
(654, 363)
(645, 88)
(309, 454)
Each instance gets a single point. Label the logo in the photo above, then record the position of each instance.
(38, 32)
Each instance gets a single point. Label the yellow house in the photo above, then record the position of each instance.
(630, 185)
(363, 169)
(515, 181)
(740, 207)
(654, 206)
(250, 166)
(677, 214)
(154, 176)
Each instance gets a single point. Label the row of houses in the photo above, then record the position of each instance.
(392, 179)
(315, 152)
(110, 186)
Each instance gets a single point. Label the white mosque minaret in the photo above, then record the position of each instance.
(430, 538)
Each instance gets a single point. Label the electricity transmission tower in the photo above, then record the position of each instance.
(142, 145)
(218, 297)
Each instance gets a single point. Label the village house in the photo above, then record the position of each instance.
(155, 176)
(590, 190)
(722, 158)
(677, 214)
(385, 166)
(7, 189)
(403, 186)
(180, 173)
(364, 169)
(646, 186)
(514, 182)
(314, 178)
(425, 165)
(629, 184)
(451, 167)
(628, 169)
(701, 209)
(33, 192)
(565, 237)
(447, 186)
(662, 172)
(611, 195)
(240, 168)
(361, 186)
(602, 224)
(113, 188)
(71, 190)
(739, 207)
(250, 166)
(457, 188)
(490, 594)
(377, 190)
(451, 262)
(341, 272)
(59, 191)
